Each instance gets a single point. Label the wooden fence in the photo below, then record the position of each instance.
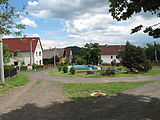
(10, 72)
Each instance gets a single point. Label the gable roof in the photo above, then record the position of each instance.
(21, 44)
(48, 54)
(111, 49)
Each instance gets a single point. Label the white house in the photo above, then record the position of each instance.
(110, 53)
(29, 49)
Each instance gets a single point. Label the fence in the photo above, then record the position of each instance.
(10, 72)
(48, 66)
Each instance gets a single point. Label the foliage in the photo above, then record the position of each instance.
(134, 58)
(113, 63)
(6, 55)
(80, 60)
(65, 69)
(59, 67)
(108, 71)
(8, 67)
(8, 19)
(91, 53)
(124, 9)
(78, 91)
(150, 51)
(72, 70)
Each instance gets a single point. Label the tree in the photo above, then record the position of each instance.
(150, 51)
(124, 9)
(8, 23)
(80, 60)
(91, 53)
(134, 58)
(6, 55)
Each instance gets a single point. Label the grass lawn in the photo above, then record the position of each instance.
(40, 69)
(120, 74)
(76, 91)
(13, 82)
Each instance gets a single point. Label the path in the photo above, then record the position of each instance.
(45, 101)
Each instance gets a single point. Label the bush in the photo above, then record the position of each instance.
(59, 67)
(134, 59)
(65, 69)
(108, 71)
(113, 63)
(73, 70)
(8, 67)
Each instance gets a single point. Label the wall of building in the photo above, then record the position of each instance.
(109, 58)
(38, 55)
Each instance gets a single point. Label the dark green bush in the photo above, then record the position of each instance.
(65, 69)
(108, 71)
(59, 67)
(8, 67)
(73, 70)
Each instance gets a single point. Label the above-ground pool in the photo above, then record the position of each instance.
(85, 67)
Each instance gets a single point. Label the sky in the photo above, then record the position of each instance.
(62, 23)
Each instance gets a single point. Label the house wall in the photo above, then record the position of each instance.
(38, 55)
(107, 59)
(22, 56)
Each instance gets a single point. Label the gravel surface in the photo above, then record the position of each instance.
(46, 101)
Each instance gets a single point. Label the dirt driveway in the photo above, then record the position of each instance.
(46, 101)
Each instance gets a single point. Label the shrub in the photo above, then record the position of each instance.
(8, 67)
(134, 58)
(59, 67)
(65, 69)
(73, 70)
(108, 71)
(113, 63)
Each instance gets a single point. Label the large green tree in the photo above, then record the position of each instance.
(134, 58)
(124, 9)
(151, 49)
(91, 53)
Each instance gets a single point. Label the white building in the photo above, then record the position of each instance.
(110, 53)
(29, 50)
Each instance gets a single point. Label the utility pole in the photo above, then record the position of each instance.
(54, 57)
(1, 61)
(155, 52)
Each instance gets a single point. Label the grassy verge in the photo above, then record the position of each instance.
(120, 74)
(36, 70)
(13, 82)
(76, 91)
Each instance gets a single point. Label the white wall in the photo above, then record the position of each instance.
(38, 55)
(107, 58)
(23, 56)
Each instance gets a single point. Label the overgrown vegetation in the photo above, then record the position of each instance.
(76, 91)
(72, 70)
(135, 59)
(13, 82)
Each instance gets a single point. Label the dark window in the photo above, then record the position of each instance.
(111, 57)
(15, 63)
(40, 62)
(36, 54)
(39, 53)
(117, 57)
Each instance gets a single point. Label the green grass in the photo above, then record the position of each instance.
(40, 69)
(13, 82)
(120, 74)
(156, 66)
(76, 91)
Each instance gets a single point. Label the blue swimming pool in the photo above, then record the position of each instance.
(85, 67)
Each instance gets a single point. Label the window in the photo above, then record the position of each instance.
(15, 63)
(111, 57)
(117, 57)
(39, 53)
(40, 62)
(36, 53)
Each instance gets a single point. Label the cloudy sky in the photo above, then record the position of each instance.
(62, 23)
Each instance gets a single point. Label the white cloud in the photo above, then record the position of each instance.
(89, 21)
(27, 21)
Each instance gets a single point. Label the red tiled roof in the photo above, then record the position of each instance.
(112, 49)
(21, 44)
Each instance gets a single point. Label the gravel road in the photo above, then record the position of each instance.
(46, 101)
